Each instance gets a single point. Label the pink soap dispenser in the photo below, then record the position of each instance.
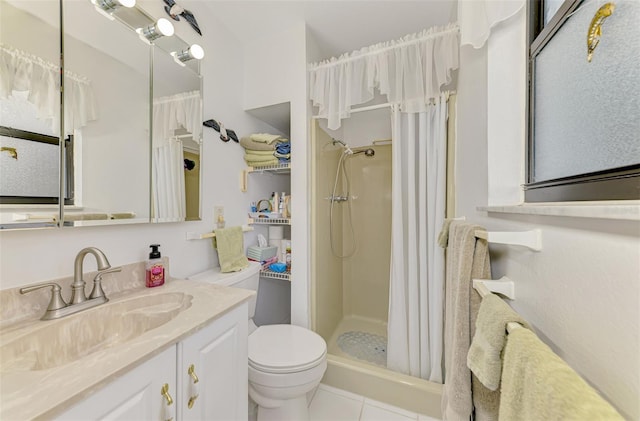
(155, 269)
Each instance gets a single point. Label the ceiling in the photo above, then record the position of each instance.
(339, 26)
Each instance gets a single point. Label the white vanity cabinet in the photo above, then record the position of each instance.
(134, 396)
(217, 357)
(218, 354)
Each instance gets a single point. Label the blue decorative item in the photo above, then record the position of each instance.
(278, 267)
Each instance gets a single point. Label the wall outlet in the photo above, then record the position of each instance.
(218, 213)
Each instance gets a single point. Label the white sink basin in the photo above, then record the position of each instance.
(58, 342)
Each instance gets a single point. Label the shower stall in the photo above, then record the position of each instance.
(351, 237)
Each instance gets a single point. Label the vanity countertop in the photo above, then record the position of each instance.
(43, 393)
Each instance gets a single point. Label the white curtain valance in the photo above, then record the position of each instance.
(181, 110)
(24, 72)
(409, 71)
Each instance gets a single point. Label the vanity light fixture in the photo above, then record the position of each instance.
(107, 7)
(193, 52)
(162, 28)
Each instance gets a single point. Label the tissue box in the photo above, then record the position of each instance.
(261, 253)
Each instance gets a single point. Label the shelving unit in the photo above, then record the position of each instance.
(269, 221)
(284, 169)
(271, 169)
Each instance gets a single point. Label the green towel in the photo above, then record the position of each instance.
(273, 161)
(252, 157)
(538, 385)
(484, 357)
(267, 138)
(250, 152)
(230, 244)
(247, 143)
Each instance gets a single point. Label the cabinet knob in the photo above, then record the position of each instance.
(194, 388)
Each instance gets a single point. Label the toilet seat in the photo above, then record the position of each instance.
(281, 349)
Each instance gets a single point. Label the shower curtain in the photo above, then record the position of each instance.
(169, 189)
(171, 113)
(416, 296)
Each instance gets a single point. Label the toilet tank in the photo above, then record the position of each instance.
(248, 278)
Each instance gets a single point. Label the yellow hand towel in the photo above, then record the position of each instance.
(250, 157)
(484, 357)
(247, 143)
(538, 385)
(267, 138)
(270, 162)
(230, 244)
(251, 152)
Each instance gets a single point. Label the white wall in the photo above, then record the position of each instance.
(275, 72)
(30, 256)
(582, 291)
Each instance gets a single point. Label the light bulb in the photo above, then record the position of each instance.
(162, 28)
(107, 7)
(165, 27)
(196, 51)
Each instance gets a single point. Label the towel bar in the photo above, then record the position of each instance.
(531, 239)
(504, 286)
(483, 288)
(196, 236)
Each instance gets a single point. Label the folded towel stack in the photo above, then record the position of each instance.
(262, 149)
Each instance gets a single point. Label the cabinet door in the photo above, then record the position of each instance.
(218, 354)
(134, 396)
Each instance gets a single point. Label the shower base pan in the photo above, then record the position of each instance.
(364, 346)
(356, 374)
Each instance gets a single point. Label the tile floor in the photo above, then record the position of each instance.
(331, 404)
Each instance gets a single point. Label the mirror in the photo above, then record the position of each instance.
(176, 138)
(107, 127)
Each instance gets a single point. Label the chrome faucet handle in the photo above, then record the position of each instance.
(97, 291)
(56, 302)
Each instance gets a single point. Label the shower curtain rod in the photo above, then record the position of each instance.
(361, 109)
(377, 106)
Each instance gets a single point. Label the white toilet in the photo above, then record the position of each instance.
(285, 361)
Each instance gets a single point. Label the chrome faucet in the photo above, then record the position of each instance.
(58, 307)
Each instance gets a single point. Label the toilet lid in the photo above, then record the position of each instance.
(285, 349)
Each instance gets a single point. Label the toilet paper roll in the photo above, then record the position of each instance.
(277, 243)
(276, 232)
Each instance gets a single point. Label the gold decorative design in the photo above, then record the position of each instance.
(595, 28)
(12, 151)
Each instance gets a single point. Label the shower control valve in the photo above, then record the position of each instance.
(337, 198)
